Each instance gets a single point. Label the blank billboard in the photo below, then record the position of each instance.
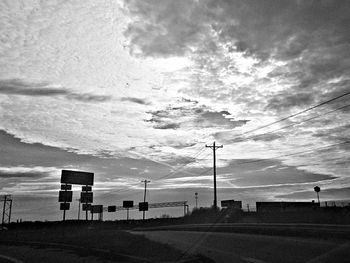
(65, 196)
(96, 209)
(143, 206)
(86, 197)
(77, 177)
(86, 188)
(86, 207)
(112, 208)
(64, 206)
(66, 187)
(128, 204)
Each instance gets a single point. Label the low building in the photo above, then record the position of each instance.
(285, 206)
(231, 204)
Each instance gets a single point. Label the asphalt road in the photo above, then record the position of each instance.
(233, 247)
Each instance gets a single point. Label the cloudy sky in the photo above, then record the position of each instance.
(133, 90)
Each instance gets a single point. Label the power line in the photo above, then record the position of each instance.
(180, 169)
(295, 123)
(298, 113)
(298, 153)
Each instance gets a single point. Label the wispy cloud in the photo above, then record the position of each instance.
(44, 89)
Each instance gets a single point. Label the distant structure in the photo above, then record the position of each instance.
(317, 190)
(7, 209)
(285, 206)
(129, 205)
(231, 204)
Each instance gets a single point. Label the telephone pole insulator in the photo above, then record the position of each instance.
(214, 148)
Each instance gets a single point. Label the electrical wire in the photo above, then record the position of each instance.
(293, 124)
(298, 153)
(298, 113)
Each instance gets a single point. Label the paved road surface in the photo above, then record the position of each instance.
(232, 247)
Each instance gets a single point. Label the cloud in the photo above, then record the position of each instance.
(187, 115)
(325, 194)
(44, 89)
(135, 100)
(8, 173)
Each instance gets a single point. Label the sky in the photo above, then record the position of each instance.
(134, 90)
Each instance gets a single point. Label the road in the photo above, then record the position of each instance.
(233, 247)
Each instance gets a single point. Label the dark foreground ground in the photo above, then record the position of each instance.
(84, 243)
(94, 242)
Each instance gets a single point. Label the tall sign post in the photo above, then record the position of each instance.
(68, 178)
(128, 204)
(65, 197)
(214, 148)
(86, 197)
(144, 200)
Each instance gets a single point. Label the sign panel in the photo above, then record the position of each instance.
(77, 177)
(64, 206)
(96, 209)
(143, 206)
(128, 204)
(112, 208)
(86, 207)
(86, 189)
(66, 187)
(86, 197)
(65, 196)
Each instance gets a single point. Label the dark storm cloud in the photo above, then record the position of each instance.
(135, 100)
(311, 37)
(165, 27)
(16, 153)
(20, 87)
(289, 99)
(257, 27)
(89, 97)
(22, 174)
(167, 126)
(190, 116)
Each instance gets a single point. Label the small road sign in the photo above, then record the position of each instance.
(128, 204)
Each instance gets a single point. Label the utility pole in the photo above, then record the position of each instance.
(144, 197)
(214, 147)
(196, 197)
(78, 208)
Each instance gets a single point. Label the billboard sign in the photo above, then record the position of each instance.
(64, 206)
(66, 187)
(86, 207)
(86, 197)
(86, 189)
(77, 177)
(112, 208)
(143, 206)
(65, 196)
(96, 209)
(128, 204)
